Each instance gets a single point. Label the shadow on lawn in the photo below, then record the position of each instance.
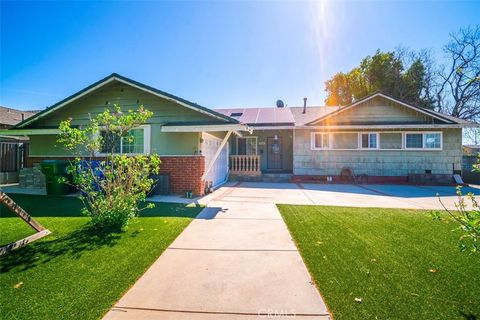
(74, 244)
(61, 206)
(468, 316)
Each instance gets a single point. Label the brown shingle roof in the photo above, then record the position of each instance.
(11, 117)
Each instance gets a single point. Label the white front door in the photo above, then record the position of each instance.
(219, 172)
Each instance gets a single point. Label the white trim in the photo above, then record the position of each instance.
(274, 127)
(211, 136)
(203, 128)
(378, 148)
(248, 137)
(312, 141)
(360, 142)
(423, 140)
(370, 127)
(147, 133)
(374, 96)
(392, 126)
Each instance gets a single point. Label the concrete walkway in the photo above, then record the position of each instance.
(235, 261)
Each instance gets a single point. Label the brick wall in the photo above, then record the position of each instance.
(185, 172)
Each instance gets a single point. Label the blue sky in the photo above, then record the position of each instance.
(218, 54)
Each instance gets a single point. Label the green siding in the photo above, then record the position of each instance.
(46, 145)
(378, 162)
(163, 143)
(128, 98)
(175, 143)
(378, 111)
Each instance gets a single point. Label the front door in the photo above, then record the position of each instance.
(274, 153)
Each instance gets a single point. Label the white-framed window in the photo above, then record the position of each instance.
(423, 140)
(247, 145)
(320, 140)
(138, 142)
(368, 140)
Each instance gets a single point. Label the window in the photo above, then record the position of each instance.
(136, 142)
(431, 141)
(247, 146)
(368, 140)
(390, 140)
(413, 141)
(344, 141)
(426, 140)
(320, 141)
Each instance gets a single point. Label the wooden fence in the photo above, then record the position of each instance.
(13, 156)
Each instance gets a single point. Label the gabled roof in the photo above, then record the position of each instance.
(11, 117)
(312, 113)
(133, 83)
(433, 114)
(261, 116)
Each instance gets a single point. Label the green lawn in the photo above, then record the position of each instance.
(75, 273)
(400, 263)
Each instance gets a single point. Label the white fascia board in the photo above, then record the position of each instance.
(28, 132)
(206, 128)
(396, 126)
(273, 127)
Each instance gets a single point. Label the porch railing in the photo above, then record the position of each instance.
(245, 164)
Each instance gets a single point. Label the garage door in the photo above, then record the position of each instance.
(219, 172)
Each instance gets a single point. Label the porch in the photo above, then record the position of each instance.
(264, 155)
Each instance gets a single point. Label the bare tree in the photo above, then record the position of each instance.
(457, 88)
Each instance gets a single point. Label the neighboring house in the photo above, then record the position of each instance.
(10, 117)
(378, 137)
(13, 150)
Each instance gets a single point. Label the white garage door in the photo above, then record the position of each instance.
(219, 172)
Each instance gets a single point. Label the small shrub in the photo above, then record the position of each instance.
(112, 185)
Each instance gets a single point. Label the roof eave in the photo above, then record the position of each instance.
(378, 94)
(133, 83)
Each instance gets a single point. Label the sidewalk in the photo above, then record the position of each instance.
(235, 261)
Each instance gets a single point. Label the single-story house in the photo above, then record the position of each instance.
(377, 137)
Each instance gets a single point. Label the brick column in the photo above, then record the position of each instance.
(185, 173)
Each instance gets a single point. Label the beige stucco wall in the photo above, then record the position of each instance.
(376, 162)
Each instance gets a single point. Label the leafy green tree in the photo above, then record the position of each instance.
(112, 185)
(385, 72)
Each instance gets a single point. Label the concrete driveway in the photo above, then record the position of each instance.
(237, 260)
(384, 196)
